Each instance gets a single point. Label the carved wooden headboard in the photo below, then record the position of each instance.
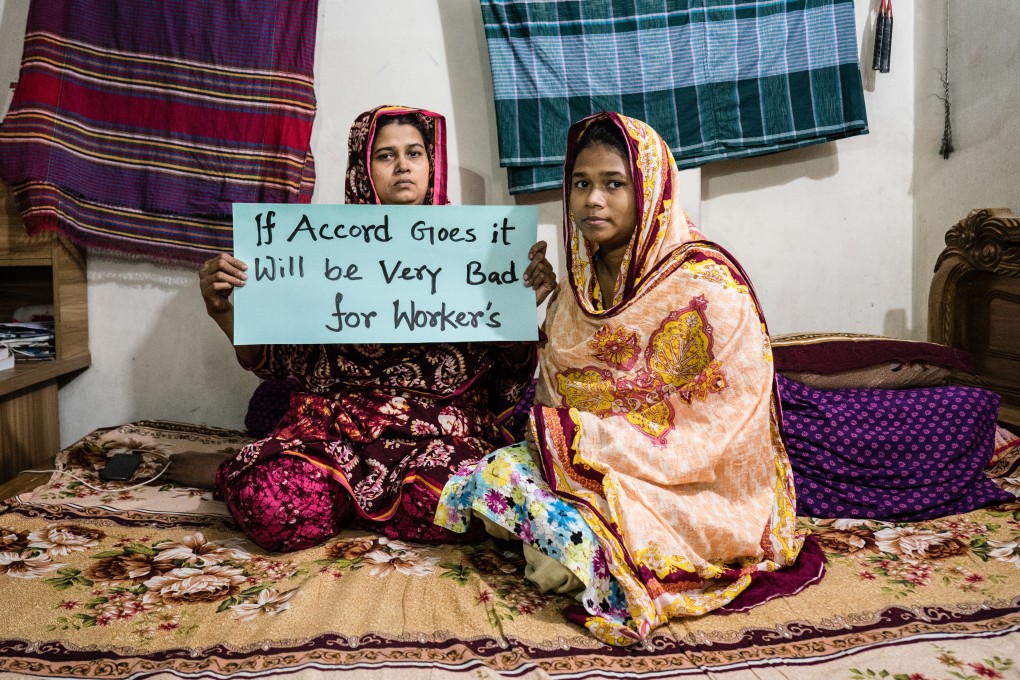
(974, 302)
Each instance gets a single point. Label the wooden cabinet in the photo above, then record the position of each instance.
(38, 270)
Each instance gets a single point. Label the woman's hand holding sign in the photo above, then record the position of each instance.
(540, 274)
(217, 278)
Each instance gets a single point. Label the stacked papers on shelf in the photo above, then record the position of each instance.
(28, 341)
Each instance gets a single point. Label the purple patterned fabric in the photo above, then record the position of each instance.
(268, 404)
(903, 455)
(135, 126)
(517, 423)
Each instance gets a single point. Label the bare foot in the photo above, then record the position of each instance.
(194, 468)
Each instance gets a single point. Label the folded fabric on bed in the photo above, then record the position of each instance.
(888, 375)
(135, 126)
(835, 352)
(902, 455)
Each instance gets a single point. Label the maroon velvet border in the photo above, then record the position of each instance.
(832, 356)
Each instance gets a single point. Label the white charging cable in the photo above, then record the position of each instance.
(147, 482)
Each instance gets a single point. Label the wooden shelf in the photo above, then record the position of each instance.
(7, 261)
(38, 270)
(27, 374)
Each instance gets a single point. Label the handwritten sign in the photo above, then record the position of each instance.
(336, 274)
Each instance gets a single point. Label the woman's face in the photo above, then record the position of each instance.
(400, 166)
(602, 197)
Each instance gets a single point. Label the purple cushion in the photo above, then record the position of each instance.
(897, 455)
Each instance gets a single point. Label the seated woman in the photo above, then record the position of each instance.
(654, 471)
(373, 431)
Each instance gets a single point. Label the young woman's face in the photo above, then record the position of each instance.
(602, 197)
(400, 166)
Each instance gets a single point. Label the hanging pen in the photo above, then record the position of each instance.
(887, 38)
(876, 59)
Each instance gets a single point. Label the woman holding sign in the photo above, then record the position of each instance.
(373, 431)
(654, 483)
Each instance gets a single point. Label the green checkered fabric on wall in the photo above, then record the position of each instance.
(716, 78)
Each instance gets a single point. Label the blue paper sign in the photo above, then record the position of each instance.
(335, 274)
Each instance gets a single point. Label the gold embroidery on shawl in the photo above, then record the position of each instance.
(616, 346)
(578, 267)
(649, 165)
(666, 216)
(653, 557)
(719, 272)
(678, 360)
(784, 531)
(680, 586)
(716, 272)
(653, 420)
(766, 343)
(713, 597)
(766, 542)
(680, 354)
(588, 389)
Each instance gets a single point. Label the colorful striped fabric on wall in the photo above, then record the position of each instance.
(716, 78)
(136, 125)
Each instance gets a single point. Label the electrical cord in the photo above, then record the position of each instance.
(147, 482)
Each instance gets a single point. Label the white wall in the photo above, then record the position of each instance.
(827, 233)
(984, 77)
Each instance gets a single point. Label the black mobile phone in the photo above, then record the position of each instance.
(120, 467)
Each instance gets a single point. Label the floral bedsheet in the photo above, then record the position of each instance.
(156, 581)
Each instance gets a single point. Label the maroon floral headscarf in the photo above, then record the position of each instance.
(359, 188)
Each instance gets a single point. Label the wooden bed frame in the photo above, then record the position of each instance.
(974, 303)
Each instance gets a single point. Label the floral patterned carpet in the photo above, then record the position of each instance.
(155, 582)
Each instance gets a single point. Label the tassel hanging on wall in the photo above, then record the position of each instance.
(947, 129)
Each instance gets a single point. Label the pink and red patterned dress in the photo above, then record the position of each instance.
(370, 439)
